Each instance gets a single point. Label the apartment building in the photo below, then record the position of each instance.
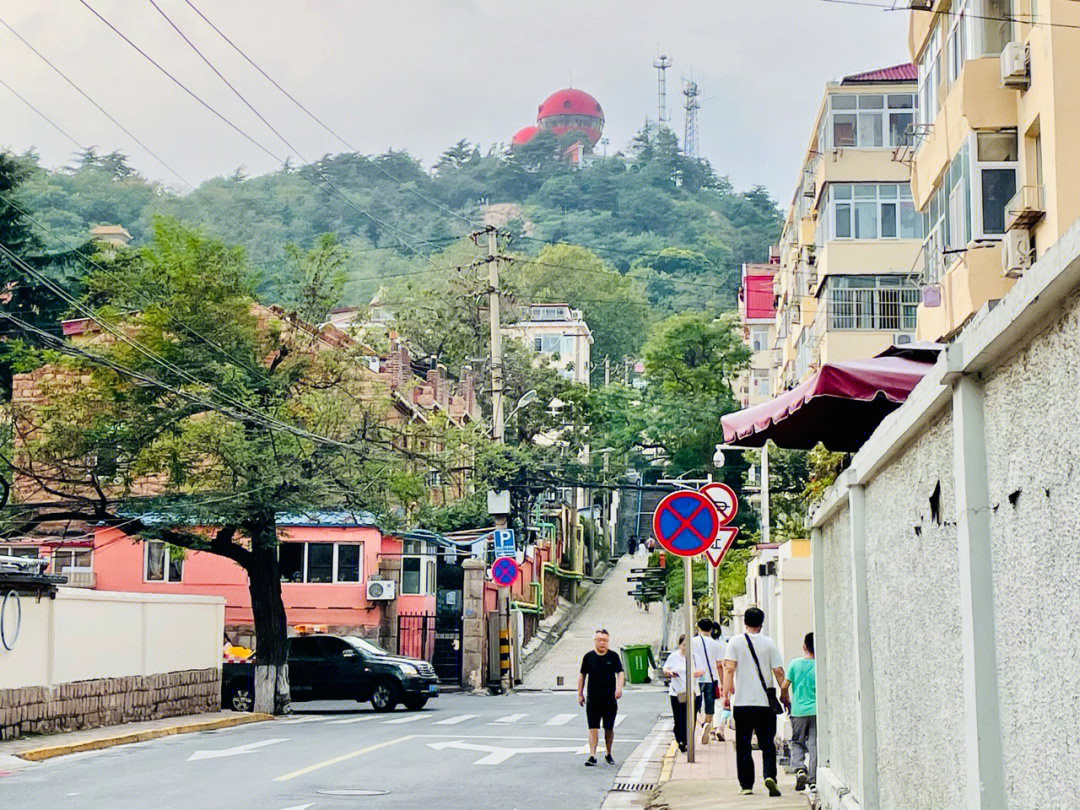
(997, 146)
(560, 334)
(847, 286)
(757, 316)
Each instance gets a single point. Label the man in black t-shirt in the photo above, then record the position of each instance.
(604, 671)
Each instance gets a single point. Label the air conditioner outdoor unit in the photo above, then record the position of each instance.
(902, 338)
(1014, 65)
(1016, 253)
(381, 590)
(922, 5)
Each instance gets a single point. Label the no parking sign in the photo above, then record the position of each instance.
(685, 523)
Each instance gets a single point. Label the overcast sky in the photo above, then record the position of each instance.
(420, 74)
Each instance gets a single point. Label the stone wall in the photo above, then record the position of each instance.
(842, 716)
(107, 701)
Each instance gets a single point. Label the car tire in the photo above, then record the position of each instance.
(384, 697)
(415, 704)
(242, 698)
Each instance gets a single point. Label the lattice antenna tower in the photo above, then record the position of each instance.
(661, 65)
(692, 105)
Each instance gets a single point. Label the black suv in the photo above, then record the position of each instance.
(323, 667)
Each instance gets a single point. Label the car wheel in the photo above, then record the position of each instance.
(384, 698)
(242, 699)
(415, 704)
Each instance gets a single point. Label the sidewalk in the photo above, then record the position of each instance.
(611, 608)
(45, 746)
(711, 783)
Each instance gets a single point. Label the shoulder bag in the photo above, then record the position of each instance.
(708, 666)
(770, 693)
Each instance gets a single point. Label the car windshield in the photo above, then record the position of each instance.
(364, 645)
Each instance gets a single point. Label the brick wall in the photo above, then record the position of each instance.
(107, 701)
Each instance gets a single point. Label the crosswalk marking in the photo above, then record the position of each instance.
(510, 718)
(311, 718)
(453, 721)
(409, 718)
(347, 720)
(560, 720)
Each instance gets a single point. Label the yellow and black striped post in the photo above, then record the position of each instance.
(504, 651)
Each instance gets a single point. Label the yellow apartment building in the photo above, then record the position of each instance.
(996, 151)
(847, 285)
(560, 335)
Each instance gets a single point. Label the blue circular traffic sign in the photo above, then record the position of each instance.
(504, 571)
(686, 523)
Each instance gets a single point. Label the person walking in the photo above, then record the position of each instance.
(709, 682)
(603, 670)
(801, 680)
(675, 669)
(753, 667)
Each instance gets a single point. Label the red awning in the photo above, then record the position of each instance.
(840, 406)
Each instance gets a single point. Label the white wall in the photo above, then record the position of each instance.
(84, 635)
(794, 603)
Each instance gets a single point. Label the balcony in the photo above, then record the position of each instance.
(79, 577)
(1026, 208)
(971, 280)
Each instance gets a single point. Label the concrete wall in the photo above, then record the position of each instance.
(90, 658)
(794, 599)
(972, 580)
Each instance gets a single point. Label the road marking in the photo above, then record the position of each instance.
(529, 737)
(409, 718)
(453, 721)
(310, 718)
(301, 806)
(347, 720)
(496, 756)
(646, 758)
(235, 751)
(334, 761)
(619, 719)
(560, 720)
(510, 718)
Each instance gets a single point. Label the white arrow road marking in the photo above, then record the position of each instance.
(409, 718)
(560, 720)
(496, 756)
(347, 720)
(453, 721)
(300, 806)
(236, 751)
(510, 718)
(310, 718)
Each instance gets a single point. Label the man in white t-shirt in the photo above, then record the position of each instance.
(753, 664)
(713, 653)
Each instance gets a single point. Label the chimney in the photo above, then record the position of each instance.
(440, 389)
(467, 390)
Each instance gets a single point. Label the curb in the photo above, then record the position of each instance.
(50, 751)
(669, 764)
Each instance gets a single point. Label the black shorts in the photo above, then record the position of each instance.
(601, 713)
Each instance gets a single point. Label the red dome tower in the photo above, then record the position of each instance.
(571, 110)
(524, 135)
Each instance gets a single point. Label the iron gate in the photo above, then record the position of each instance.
(433, 638)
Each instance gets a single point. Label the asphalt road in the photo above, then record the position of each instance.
(519, 752)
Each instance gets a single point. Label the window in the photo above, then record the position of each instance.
(886, 303)
(320, 562)
(872, 211)
(870, 121)
(996, 155)
(160, 563)
(538, 344)
(549, 314)
(759, 338)
(759, 382)
(18, 551)
(417, 567)
(930, 78)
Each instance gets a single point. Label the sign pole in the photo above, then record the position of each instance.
(688, 609)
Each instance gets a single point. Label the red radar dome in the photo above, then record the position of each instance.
(524, 135)
(572, 110)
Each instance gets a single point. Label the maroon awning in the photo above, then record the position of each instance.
(840, 406)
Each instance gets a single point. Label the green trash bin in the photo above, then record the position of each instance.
(636, 660)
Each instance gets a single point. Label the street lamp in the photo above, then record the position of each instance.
(526, 398)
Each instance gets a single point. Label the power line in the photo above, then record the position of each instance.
(324, 125)
(1014, 18)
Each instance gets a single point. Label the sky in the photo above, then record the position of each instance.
(419, 75)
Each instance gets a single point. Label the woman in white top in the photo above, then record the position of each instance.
(675, 668)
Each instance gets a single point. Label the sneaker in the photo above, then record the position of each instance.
(770, 785)
(590, 762)
(608, 759)
(705, 735)
(800, 780)
(746, 792)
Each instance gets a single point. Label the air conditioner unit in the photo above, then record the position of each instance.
(1016, 253)
(381, 590)
(1014, 65)
(922, 5)
(902, 338)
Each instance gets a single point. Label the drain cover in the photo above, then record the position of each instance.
(351, 792)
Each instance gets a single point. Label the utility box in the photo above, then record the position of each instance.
(498, 502)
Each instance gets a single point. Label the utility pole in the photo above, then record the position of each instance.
(607, 371)
(765, 493)
(498, 434)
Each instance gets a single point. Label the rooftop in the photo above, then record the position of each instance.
(897, 73)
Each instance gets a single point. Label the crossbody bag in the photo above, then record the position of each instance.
(770, 692)
(708, 666)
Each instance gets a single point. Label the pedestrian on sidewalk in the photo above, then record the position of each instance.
(709, 682)
(603, 670)
(801, 680)
(753, 667)
(675, 668)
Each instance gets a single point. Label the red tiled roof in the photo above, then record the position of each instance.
(897, 73)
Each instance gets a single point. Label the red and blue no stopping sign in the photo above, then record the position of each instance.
(685, 523)
(504, 571)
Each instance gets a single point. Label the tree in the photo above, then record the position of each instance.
(321, 273)
(224, 412)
